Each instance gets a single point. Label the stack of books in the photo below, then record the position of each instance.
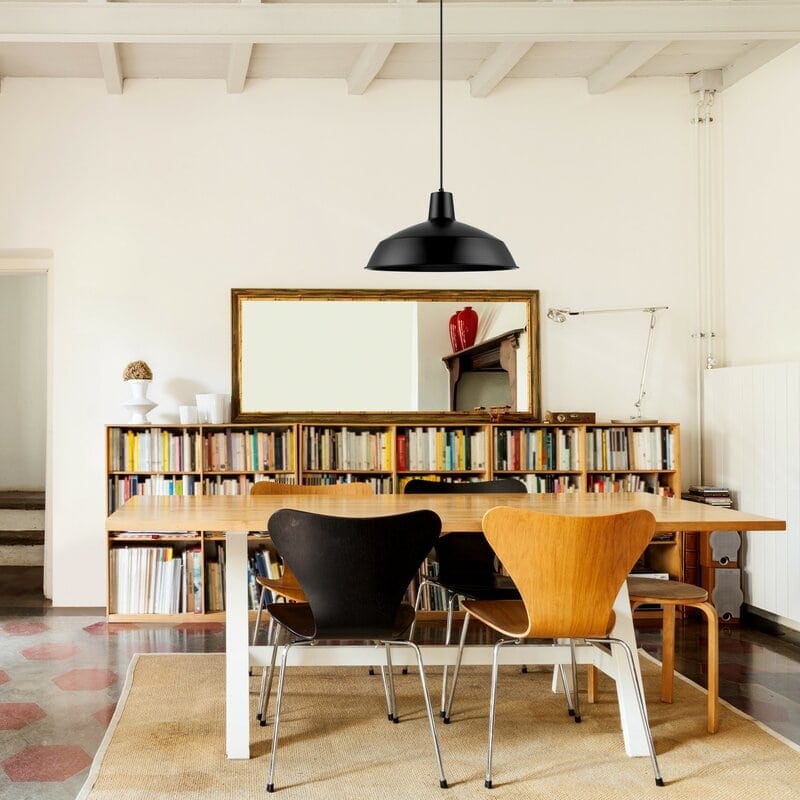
(711, 495)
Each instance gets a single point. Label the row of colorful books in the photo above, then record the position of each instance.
(159, 450)
(155, 580)
(122, 487)
(536, 449)
(346, 449)
(441, 449)
(627, 483)
(646, 448)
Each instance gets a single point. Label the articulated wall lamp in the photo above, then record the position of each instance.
(560, 315)
(441, 244)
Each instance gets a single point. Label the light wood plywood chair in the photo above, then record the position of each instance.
(286, 586)
(568, 571)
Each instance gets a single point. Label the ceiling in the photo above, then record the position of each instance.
(713, 42)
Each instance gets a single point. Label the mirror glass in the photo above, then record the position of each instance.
(367, 351)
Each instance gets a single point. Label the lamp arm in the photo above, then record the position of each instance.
(642, 393)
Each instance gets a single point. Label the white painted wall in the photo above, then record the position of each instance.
(762, 237)
(752, 414)
(23, 370)
(752, 424)
(157, 202)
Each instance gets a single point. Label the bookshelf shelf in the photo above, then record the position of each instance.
(386, 451)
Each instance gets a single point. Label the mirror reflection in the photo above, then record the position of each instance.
(363, 351)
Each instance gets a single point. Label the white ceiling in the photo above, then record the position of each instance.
(603, 41)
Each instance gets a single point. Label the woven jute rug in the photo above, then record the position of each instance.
(167, 741)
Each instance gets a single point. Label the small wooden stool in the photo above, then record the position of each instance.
(670, 594)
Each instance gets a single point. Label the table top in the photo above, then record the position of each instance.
(458, 512)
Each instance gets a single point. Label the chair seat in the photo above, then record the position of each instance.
(283, 587)
(298, 620)
(498, 587)
(653, 590)
(506, 616)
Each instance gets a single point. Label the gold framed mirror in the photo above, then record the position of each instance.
(307, 352)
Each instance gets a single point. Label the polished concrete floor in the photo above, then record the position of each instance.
(61, 672)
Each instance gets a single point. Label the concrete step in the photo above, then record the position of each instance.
(21, 548)
(24, 501)
(21, 530)
(13, 519)
(22, 587)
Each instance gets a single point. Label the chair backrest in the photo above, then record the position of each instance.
(354, 570)
(465, 558)
(346, 489)
(568, 569)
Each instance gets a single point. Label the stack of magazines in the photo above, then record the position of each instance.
(710, 495)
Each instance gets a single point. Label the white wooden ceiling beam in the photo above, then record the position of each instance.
(505, 57)
(753, 59)
(238, 65)
(369, 64)
(622, 64)
(110, 65)
(239, 61)
(232, 23)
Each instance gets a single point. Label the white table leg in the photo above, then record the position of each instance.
(237, 685)
(633, 731)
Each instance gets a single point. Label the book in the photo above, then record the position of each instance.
(709, 491)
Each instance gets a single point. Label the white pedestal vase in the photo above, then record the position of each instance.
(137, 403)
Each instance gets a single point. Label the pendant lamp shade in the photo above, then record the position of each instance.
(441, 244)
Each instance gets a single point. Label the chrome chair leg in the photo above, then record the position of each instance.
(639, 692)
(278, 700)
(266, 674)
(429, 709)
(492, 705)
(417, 603)
(389, 684)
(451, 602)
(261, 599)
(575, 680)
(565, 683)
(461, 642)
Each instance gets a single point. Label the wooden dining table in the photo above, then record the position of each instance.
(236, 516)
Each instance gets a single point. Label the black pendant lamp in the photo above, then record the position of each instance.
(441, 244)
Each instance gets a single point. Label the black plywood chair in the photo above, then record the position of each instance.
(354, 572)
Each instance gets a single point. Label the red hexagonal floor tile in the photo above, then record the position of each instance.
(103, 716)
(24, 628)
(14, 716)
(104, 628)
(4, 676)
(46, 762)
(54, 651)
(80, 679)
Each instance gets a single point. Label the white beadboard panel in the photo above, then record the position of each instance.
(752, 445)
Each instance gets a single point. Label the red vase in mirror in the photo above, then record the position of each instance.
(455, 340)
(467, 324)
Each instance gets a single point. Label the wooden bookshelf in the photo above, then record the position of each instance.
(384, 449)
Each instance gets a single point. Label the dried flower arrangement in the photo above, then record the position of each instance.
(137, 371)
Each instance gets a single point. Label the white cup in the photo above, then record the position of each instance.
(188, 414)
(213, 408)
